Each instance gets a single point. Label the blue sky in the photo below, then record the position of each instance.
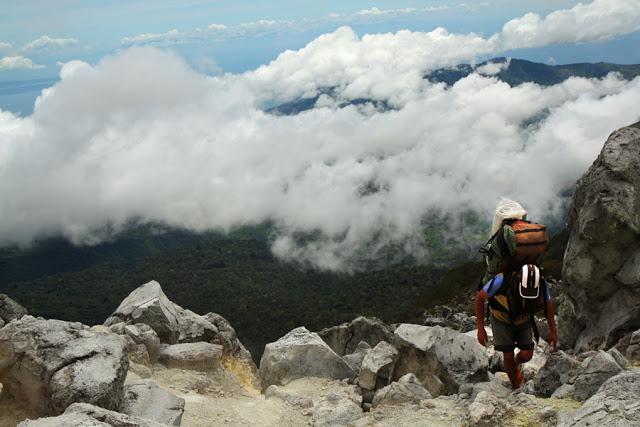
(89, 30)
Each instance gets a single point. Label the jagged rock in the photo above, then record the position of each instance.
(632, 349)
(143, 334)
(602, 259)
(598, 369)
(85, 415)
(619, 358)
(145, 399)
(559, 369)
(564, 391)
(49, 364)
(10, 310)
(377, 366)
(273, 391)
(495, 386)
(539, 359)
(139, 355)
(355, 359)
(485, 409)
(149, 305)
(616, 404)
(453, 357)
(343, 339)
(199, 356)
(407, 389)
(336, 409)
(227, 337)
(298, 354)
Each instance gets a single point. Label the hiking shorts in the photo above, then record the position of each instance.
(507, 337)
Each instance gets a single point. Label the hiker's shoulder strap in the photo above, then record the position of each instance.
(493, 285)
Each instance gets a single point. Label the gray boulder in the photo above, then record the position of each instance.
(145, 399)
(343, 339)
(616, 404)
(377, 366)
(559, 369)
(336, 409)
(452, 357)
(355, 359)
(602, 259)
(85, 415)
(486, 409)
(49, 364)
(10, 310)
(149, 305)
(143, 334)
(199, 356)
(406, 390)
(228, 338)
(298, 354)
(619, 358)
(599, 368)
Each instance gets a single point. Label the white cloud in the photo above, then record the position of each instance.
(18, 63)
(170, 145)
(46, 43)
(378, 12)
(5, 46)
(168, 38)
(493, 68)
(598, 20)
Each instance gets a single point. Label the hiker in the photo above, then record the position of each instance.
(514, 287)
(514, 298)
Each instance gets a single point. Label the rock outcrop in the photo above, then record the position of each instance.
(85, 415)
(10, 310)
(49, 364)
(343, 339)
(617, 404)
(559, 369)
(199, 356)
(601, 300)
(453, 358)
(145, 399)
(298, 354)
(377, 366)
(596, 371)
(406, 390)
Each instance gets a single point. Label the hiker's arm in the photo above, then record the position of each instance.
(480, 299)
(553, 329)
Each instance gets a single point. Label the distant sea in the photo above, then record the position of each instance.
(19, 96)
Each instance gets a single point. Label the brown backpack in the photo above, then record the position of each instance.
(532, 240)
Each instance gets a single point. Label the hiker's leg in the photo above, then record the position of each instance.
(511, 368)
(523, 356)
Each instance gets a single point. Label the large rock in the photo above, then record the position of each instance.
(49, 364)
(377, 366)
(228, 338)
(343, 339)
(85, 415)
(486, 409)
(355, 359)
(199, 356)
(298, 354)
(143, 334)
(559, 369)
(427, 351)
(602, 259)
(616, 404)
(599, 368)
(145, 399)
(336, 410)
(149, 305)
(406, 390)
(10, 310)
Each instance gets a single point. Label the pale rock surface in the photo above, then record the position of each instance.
(602, 258)
(599, 368)
(49, 364)
(336, 410)
(143, 334)
(10, 310)
(485, 409)
(454, 358)
(199, 356)
(559, 369)
(145, 399)
(298, 354)
(377, 366)
(85, 415)
(343, 339)
(355, 359)
(616, 404)
(406, 390)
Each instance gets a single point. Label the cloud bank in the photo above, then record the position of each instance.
(46, 44)
(18, 63)
(143, 136)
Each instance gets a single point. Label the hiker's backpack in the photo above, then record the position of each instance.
(508, 301)
(531, 241)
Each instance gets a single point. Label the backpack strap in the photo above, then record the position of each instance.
(502, 243)
(534, 327)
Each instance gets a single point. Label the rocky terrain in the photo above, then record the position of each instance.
(154, 363)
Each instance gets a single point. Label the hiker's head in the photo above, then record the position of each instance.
(507, 210)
